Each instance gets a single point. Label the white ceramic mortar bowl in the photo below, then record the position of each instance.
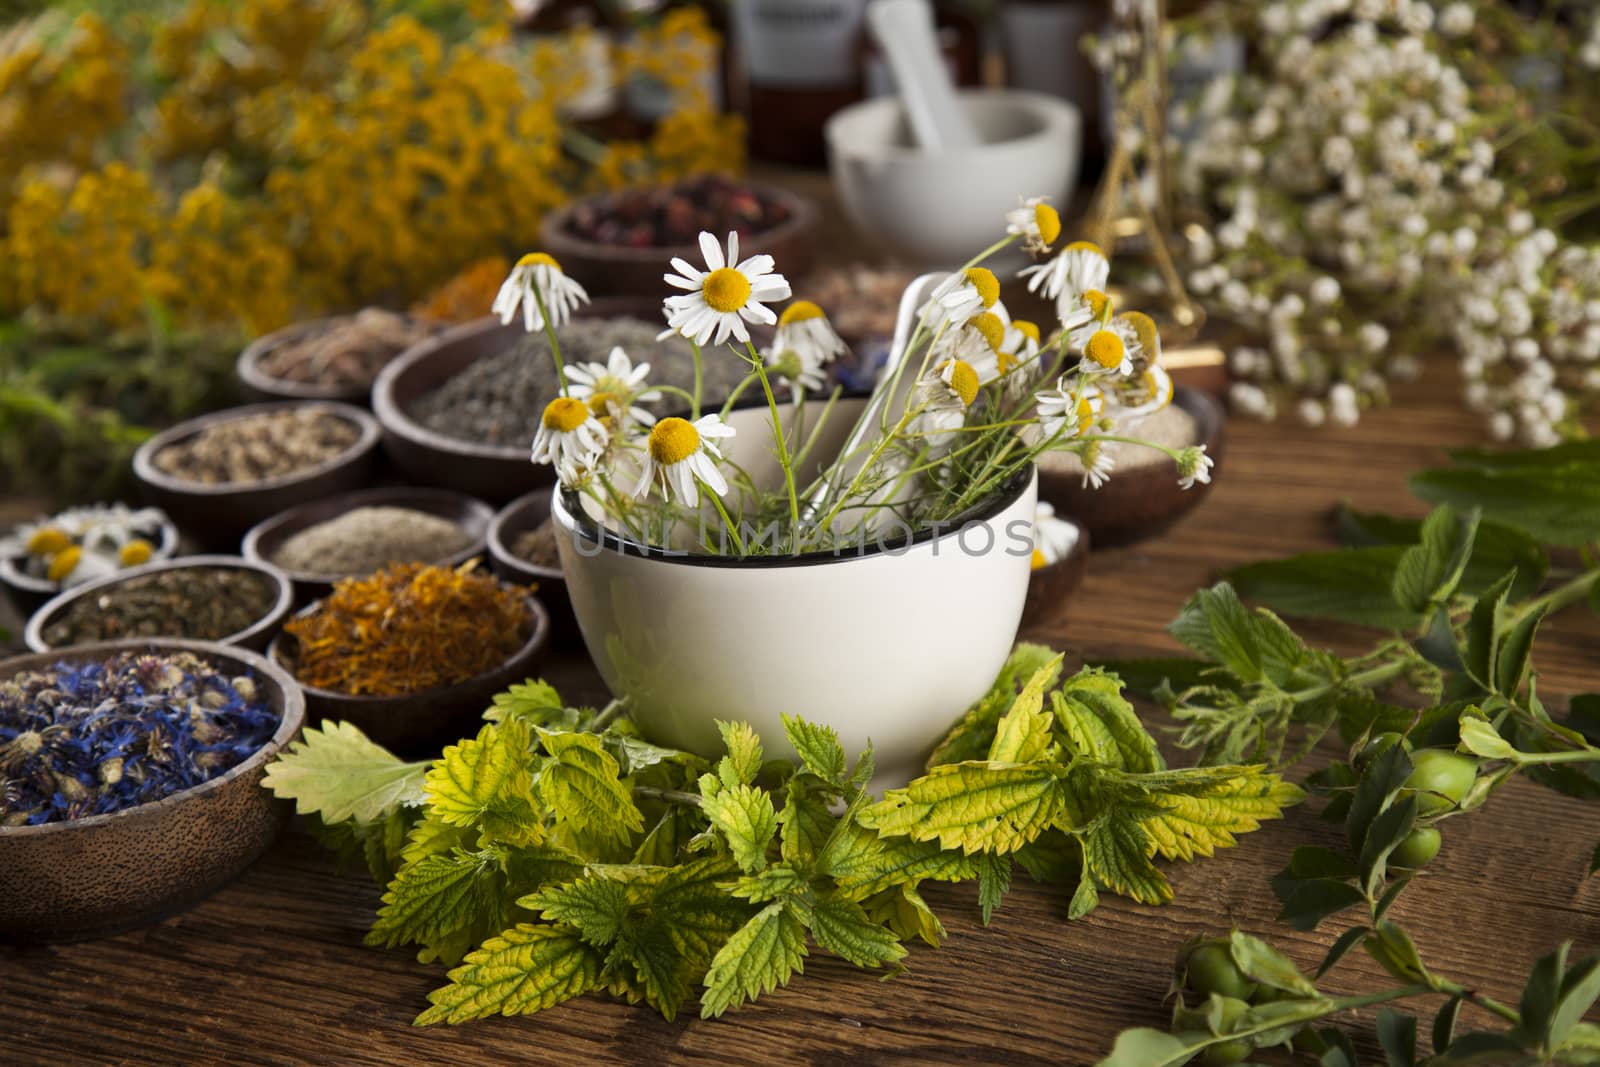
(889, 647)
(943, 209)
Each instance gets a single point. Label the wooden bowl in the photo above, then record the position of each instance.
(29, 593)
(510, 522)
(216, 515)
(496, 473)
(258, 384)
(419, 724)
(1137, 502)
(614, 270)
(255, 638)
(92, 877)
(265, 539)
(1050, 586)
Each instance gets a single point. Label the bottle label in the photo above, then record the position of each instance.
(799, 43)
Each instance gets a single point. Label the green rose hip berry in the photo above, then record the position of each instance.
(1440, 779)
(1225, 1054)
(1418, 848)
(1210, 969)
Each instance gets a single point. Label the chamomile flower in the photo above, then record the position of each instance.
(73, 566)
(1098, 462)
(1053, 538)
(1066, 412)
(804, 345)
(1078, 310)
(975, 342)
(1145, 394)
(1108, 348)
(725, 296)
(569, 436)
(1036, 222)
(613, 386)
(943, 396)
(539, 272)
(1078, 267)
(1194, 466)
(961, 296)
(680, 455)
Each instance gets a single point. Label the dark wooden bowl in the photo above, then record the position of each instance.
(216, 515)
(613, 270)
(255, 638)
(1137, 502)
(496, 473)
(260, 385)
(92, 877)
(419, 724)
(516, 518)
(29, 593)
(1050, 586)
(265, 539)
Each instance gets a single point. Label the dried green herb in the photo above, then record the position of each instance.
(202, 603)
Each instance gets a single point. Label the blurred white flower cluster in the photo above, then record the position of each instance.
(1360, 217)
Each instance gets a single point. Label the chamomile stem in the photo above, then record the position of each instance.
(699, 371)
(783, 444)
(822, 420)
(738, 391)
(727, 520)
(550, 333)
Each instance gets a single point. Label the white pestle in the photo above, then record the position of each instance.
(904, 31)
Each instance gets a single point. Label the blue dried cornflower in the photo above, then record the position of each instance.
(93, 738)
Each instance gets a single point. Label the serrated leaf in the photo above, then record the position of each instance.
(819, 749)
(1488, 622)
(1214, 624)
(1085, 898)
(1023, 733)
(994, 881)
(1558, 504)
(745, 817)
(1117, 852)
(976, 807)
(581, 785)
(743, 761)
(805, 823)
(759, 958)
(1516, 648)
(1197, 823)
(638, 755)
(444, 901)
(1349, 585)
(969, 739)
(535, 702)
(843, 928)
(763, 887)
(595, 907)
(486, 780)
(903, 910)
(1101, 725)
(1497, 548)
(526, 969)
(1429, 571)
(432, 836)
(337, 772)
(863, 863)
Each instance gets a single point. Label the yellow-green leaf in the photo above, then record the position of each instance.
(487, 775)
(581, 784)
(976, 807)
(1023, 733)
(745, 816)
(759, 958)
(337, 772)
(526, 969)
(1197, 824)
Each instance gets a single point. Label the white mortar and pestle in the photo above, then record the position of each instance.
(932, 172)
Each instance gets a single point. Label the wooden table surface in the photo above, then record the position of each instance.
(272, 970)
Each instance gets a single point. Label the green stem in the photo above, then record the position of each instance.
(727, 522)
(782, 440)
(1371, 678)
(738, 391)
(1456, 989)
(699, 373)
(607, 715)
(672, 796)
(1562, 596)
(555, 345)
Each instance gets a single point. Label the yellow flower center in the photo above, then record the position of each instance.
(600, 401)
(725, 289)
(1144, 328)
(1105, 348)
(983, 280)
(1099, 303)
(800, 311)
(989, 324)
(1048, 219)
(673, 440)
(1027, 329)
(565, 414)
(135, 552)
(1159, 388)
(1085, 246)
(1085, 415)
(1006, 361)
(963, 382)
(1038, 559)
(48, 541)
(64, 563)
(538, 259)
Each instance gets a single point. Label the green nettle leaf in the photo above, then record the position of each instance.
(971, 737)
(759, 958)
(1102, 726)
(447, 902)
(976, 807)
(1429, 571)
(668, 838)
(337, 772)
(805, 823)
(841, 926)
(596, 907)
(638, 755)
(1195, 821)
(864, 863)
(1349, 585)
(1117, 851)
(581, 785)
(1497, 548)
(745, 816)
(819, 749)
(486, 776)
(526, 969)
(379, 846)
(1217, 626)
(535, 702)
(994, 881)
(903, 910)
(743, 761)
(1023, 733)
(1085, 898)
(763, 887)
(1558, 504)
